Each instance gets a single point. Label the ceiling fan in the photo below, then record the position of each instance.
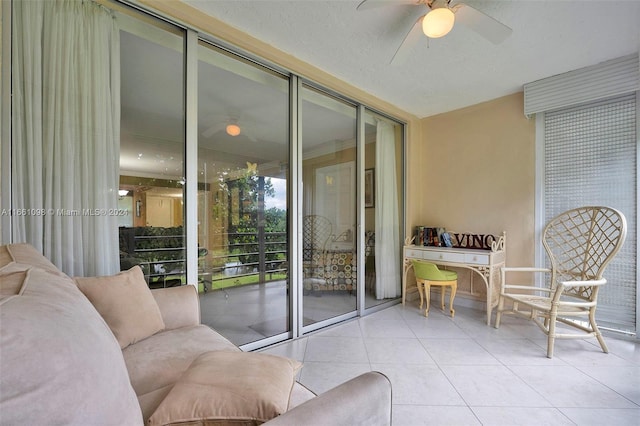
(231, 127)
(439, 19)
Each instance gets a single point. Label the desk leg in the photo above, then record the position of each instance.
(485, 274)
(405, 269)
(489, 311)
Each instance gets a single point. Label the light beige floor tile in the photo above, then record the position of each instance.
(349, 328)
(385, 328)
(419, 385)
(521, 416)
(458, 352)
(626, 348)
(437, 327)
(492, 386)
(294, 350)
(424, 415)
(566, 386)
(322, 376)
(603, 416)
(519, 352)
(396, 351)
(336, 349)
(623, 380)
(586, 353)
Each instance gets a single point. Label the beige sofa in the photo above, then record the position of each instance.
(62, 362)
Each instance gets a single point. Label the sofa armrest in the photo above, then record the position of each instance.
(364, 400)
(179, 306)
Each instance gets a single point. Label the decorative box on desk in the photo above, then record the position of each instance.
(484, 262)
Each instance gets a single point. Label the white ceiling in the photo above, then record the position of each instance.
(458, 70)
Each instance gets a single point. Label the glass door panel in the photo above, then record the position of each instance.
(152, 140)
(243, 165)
(329, 170)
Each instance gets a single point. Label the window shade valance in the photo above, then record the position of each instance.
(615, 77)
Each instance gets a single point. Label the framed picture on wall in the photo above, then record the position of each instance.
(369, 188)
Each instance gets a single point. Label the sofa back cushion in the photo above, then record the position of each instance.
(60, 362)
(25, 254)
(125, 302)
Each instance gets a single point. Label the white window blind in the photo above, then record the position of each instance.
(601, 81)
(590, 159)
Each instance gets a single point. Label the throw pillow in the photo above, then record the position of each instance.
(126, 304)
(229, 388)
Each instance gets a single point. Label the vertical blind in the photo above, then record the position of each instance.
(590, 159)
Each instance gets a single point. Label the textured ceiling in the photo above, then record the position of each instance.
(458, 70)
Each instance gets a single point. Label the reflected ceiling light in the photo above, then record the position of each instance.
(438, 22)
(123, 192)
(233, 130)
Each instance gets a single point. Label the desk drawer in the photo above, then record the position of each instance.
(443, 256)
(476, 259)
(413, 254)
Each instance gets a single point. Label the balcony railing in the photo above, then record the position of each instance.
(162, 256)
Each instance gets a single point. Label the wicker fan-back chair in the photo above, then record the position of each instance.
(580, 243)
(317, 232)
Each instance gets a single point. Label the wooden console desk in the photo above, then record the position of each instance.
(486, 263)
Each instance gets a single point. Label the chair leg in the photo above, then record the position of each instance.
(499, 312)
(427, 291)
(454, 289)
(420, 286)
(551, 335)
(443, 290)
(596, 330)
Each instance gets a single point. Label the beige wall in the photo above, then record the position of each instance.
(475, 173)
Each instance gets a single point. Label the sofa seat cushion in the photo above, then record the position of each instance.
(229, 388)
(125, 302)
(60, 362)
(155, 364)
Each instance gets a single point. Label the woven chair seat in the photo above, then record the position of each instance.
(543, 304)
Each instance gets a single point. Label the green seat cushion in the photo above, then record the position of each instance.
(429, 271)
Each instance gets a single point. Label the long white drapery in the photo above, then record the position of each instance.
(387, 217)
(66, 133)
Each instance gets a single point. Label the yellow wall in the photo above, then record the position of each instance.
(475, 172)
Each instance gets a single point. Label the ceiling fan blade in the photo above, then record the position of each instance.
(374, 4)
(488, 27)
(213, 130)
(412, 37)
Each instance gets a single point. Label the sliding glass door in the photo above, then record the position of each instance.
(329, 205)
(152, 139)
(243, 163)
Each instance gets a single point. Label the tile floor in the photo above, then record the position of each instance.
(461, 372)
(238, 312)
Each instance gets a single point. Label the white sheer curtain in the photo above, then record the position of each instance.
(387, 220)
(66, 133)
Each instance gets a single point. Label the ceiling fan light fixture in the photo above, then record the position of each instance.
(233, 130)
(438, 22)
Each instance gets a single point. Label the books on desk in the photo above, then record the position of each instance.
(431, 236)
